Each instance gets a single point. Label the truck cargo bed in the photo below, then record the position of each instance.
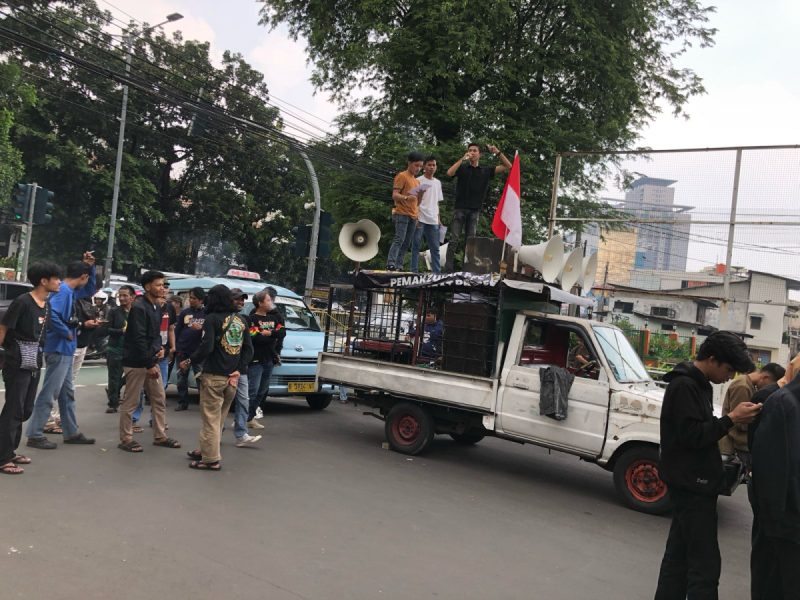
(442, 387)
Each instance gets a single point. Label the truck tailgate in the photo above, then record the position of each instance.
(442, 387)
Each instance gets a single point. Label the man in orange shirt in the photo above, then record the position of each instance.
(405, 211)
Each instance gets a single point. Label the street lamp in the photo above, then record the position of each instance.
(112, 226)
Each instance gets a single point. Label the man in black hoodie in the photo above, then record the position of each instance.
(691, 465)
(775, 497)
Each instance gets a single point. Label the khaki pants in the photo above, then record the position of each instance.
(216, 397)
(135, 380)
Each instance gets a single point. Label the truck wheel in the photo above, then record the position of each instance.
(638, 483)
(318, 401)
(473, 436)
(409, 428)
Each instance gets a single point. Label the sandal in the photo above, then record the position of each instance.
(204, 466)
(132, 446)
(138, 429)
(167, 443)
(53, 429)
(194, 455)
(21, 460)
(12, 469)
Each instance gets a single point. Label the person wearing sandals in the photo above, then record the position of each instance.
(141, 352)
(60, 341)
(21, 335)
(225, 345)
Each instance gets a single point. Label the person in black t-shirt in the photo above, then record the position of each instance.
(23, 322)
(472, 185)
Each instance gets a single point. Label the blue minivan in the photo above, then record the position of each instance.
(296, 376)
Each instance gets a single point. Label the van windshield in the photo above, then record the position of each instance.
(621, 356)
(297, 315)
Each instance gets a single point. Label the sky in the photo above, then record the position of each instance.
(752, 98)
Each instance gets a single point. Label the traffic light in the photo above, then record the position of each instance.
(43, 208)
(324, 239)
(302, 240)
(20, 201)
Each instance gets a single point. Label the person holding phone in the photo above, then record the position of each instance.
(59, 351)
(472, 185)
(691, 464)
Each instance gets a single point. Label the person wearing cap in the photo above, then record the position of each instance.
(242, 409)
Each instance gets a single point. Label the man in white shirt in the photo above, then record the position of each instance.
(428, 222)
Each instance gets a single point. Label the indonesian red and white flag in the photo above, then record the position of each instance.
(507, 222)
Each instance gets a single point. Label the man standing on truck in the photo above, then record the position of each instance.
(691, 464)
(472, 185)
(405, 193)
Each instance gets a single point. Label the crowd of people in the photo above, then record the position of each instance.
(230, 355)
(416, 205)
(758, 434)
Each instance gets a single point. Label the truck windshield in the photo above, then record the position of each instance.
(621, 356)
(297, 315)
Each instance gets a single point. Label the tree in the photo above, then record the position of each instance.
(14, 96)
(218, 191)
(538, 77)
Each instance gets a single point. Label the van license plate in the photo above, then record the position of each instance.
(297, 387)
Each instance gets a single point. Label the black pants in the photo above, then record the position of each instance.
(774, 566)
(114, 364)
(20, 394)
(691, 563)
(461, 218)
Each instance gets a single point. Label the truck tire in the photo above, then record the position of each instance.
(468, 438)
(318, 401)
(638, 483)
(409, 428)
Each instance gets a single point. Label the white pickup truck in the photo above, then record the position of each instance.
(613, 404)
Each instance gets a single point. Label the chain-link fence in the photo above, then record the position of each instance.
(690, 240)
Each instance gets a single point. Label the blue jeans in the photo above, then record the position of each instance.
(242, 402)
(163, 366)
(431, 233)
(403, 236)
(259, 374)
(57, 383)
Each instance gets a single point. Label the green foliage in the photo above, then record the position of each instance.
(537, 77)
(669, 351)
(14, 96)
(221, 194)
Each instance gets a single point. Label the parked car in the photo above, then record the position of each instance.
(296, 376)
(10, 290)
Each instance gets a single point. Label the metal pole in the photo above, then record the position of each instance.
(29, 230)
(551, 221)
(312, 247)
(724, 322)
(112, 226)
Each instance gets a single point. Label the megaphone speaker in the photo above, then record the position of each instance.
(589, 272)
(572, 270)
(359, 241)
(547, 257)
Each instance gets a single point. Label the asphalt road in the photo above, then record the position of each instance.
(319, 510)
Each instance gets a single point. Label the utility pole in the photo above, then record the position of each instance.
(26, 252)
(312, 246)
(724, 322)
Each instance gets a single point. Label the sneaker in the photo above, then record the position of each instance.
(254, 424)
(78, 439)
(181, 407)
(247, 439)
(42, 443)
(259, 413)
(110, 410)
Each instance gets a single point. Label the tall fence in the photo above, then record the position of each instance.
(692, 223)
